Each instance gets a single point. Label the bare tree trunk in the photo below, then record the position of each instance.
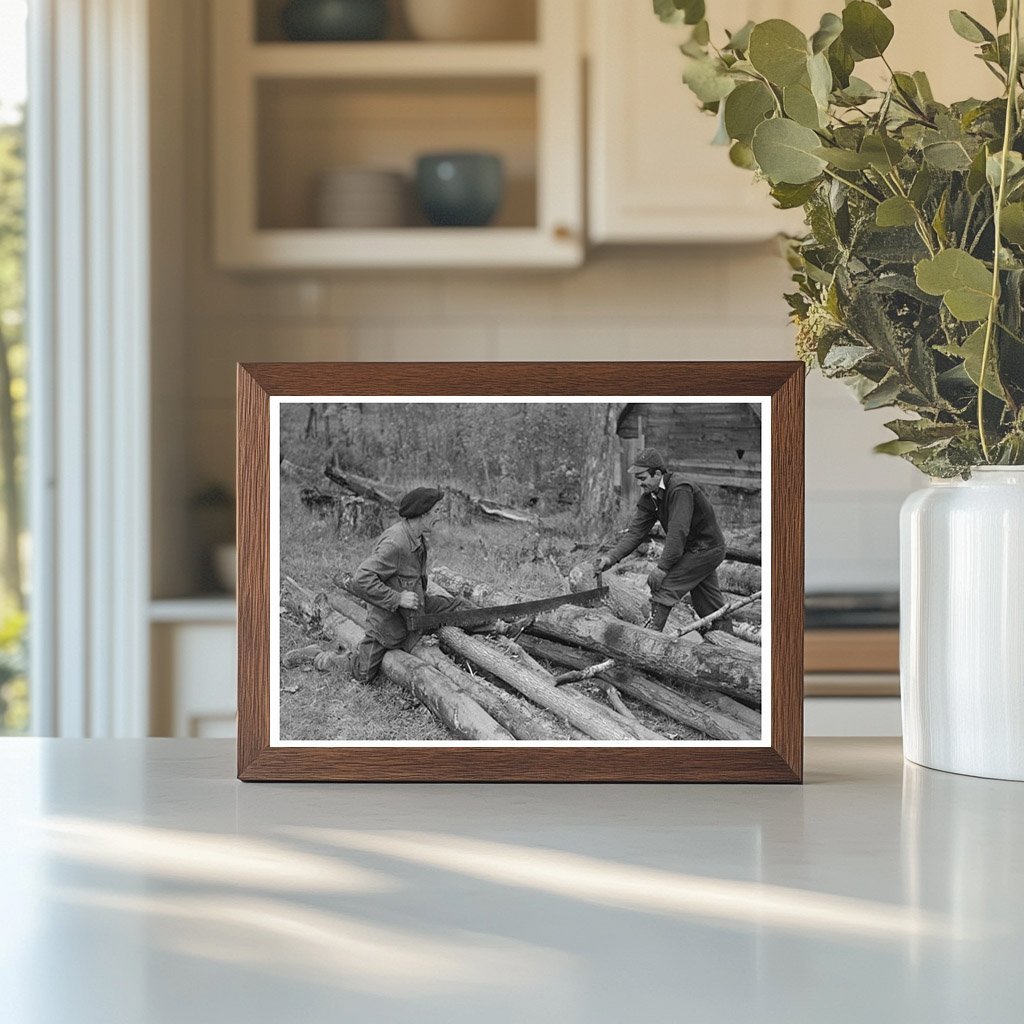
(11, 490)
(598, 501)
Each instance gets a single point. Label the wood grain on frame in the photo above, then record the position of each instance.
(782, 761)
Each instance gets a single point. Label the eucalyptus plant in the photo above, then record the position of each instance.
(910, 278)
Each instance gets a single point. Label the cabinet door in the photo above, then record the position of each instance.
(654, 175)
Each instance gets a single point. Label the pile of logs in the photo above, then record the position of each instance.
(575, 673)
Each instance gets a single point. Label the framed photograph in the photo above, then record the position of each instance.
(519, 572)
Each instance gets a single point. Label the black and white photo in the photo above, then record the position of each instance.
(521, 570)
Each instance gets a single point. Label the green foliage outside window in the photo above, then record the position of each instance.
(13, 415)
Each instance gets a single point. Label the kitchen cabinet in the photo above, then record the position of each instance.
(287, 113)
(653, 175)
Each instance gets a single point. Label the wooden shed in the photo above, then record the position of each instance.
(715, 444)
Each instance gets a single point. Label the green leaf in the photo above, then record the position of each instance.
(1011, 225)
(844, 159)
(676, 12)
(971, 352)
(976, 174)
(923, 431)
(785, 152)
(885, 394)
(745, 108)
(778, 50)
(994, 167)
(883, 153)
(999, 7)
(939, 220)
(742, 155)
(789, 197)
(739, 41)
(800, 105)
(924, 89)
(829, 30)
(968, 28)
(963, 281)
(896, 212)
(820, 75)
(708, 81)
(858, 91)
(895, 447)
(701, 33)
(841, 60)
(866, 29)
(946, 156)
(921, 185)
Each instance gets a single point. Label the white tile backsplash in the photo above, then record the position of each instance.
(718, 302)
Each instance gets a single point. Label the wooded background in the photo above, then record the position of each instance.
(549, 457)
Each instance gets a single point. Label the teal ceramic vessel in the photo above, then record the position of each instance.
(460, 189)
(334, 21)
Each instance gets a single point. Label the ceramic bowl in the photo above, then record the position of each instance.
(460, 189)
(334, 20)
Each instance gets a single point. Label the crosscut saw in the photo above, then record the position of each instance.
(475, 616)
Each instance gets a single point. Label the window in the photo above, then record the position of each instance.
(14, 702)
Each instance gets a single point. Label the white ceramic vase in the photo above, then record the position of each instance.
(962, 624)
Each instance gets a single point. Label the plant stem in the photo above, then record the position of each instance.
(850, 184)
(922, 225)
(993, 308)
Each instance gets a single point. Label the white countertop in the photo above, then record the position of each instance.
(143, 884)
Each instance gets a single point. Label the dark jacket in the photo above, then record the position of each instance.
(685, 515)
(398, 562)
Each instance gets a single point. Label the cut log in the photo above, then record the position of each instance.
(624, 600)
(734, 643)
(361, 485)
(726, 720)
(683, 612)
(519, 718)
(460, 714)
(529, 684)
(744, 546)
(628, 599)
(629, 721)
(640, 648)
(738, 578)
(745, 631)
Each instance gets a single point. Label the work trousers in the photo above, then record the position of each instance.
(368, 655)
(693, 574)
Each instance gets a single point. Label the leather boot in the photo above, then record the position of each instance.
(659, 616)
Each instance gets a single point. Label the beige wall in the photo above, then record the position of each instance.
(708, 302)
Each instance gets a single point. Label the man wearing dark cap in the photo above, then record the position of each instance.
(694, 545)
(393, 580)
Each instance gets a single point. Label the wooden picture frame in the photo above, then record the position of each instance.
(775, 387)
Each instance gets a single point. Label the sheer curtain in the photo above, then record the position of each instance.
(88, 314)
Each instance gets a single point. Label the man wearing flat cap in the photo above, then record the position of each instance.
(694, 545)
(393, 580)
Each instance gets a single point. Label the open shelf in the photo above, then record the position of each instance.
(306, 128)
(519, 18)
(393, 60)
(288, 113)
